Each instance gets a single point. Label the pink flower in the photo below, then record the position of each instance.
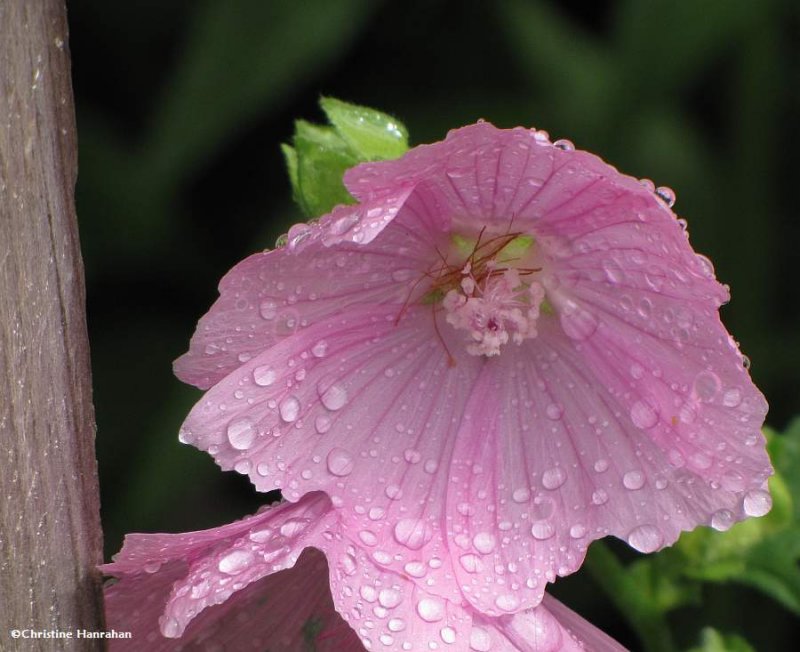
(506, 350)
(250, 586)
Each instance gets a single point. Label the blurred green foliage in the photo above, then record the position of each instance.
(182, 107)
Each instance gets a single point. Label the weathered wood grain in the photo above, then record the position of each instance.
(50, 538)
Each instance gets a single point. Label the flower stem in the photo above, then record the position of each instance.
(645, 618)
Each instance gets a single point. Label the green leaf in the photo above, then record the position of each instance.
(712, 641)
(320, 155)
(370, 134)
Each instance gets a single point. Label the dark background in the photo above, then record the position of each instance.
(182, 107)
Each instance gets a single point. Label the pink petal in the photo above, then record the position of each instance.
(370, 422)
(216, 563)
(271, 296)
(392, 612)
(285, 611)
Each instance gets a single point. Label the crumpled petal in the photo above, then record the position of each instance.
(272, 601)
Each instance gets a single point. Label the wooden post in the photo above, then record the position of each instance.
(50, 537)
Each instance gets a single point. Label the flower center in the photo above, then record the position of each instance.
(490, 294)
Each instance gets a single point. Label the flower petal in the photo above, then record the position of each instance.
(214, 564)
(271, 296)
(371, 422)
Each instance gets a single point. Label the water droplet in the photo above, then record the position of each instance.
(322, 424)
(564, 144)
(506, 601)
(340, 462)
(577, 322)
(412, 456)
(319, 349)
(643, 415)
(577, 531)
(484, 542)
(289, 409)
(479, 640)
(368, 593)
(349, 565)
(554, 411)
(412, 533)
(268, 309)
(645, 538)
(430, 610)
(757, 502)
(367, 537)
(613, 271)
(553, 478)
(521, 495)
(415, 569)
(235, 562)
(431, 466)
(667, 195)
(542, 530)
(722, 520)
(448, 635)
(376, 513)
(396, 625)
(170, 628)
(241, 433)
(601, 465)
(264, 375)
(706, 386)
(633, 480)
(600, 497)
(333, 396)
(732, 397)
(389, 598)
(471, 563)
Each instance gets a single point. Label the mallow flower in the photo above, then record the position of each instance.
(251, 586)
(504, 350)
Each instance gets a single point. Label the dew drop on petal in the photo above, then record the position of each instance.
(600, 497)
(389, 598)
(471, 563)
(506, 601)
(241, 433)
(484, 542)
(722, 520)
(430, 610)
(322, 424)
(757, 502)
(415, 569)
(263, 376)
(448, 635)
(333, 397)
(340, 462)
(645, 538)
(367, 537)
(577, 531)
(396, 625)
(412, 533)
(319, 349)
(601, 465)
(289, 409)
(643, 415)
(706, 386)
(554, 411)
(553, 478)
(577, 322)
(235, 562)
(268, 309)
(667, 195)
(732, 397)
(542, 530)
(633, 480)
(479, 640)
(521, 495)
